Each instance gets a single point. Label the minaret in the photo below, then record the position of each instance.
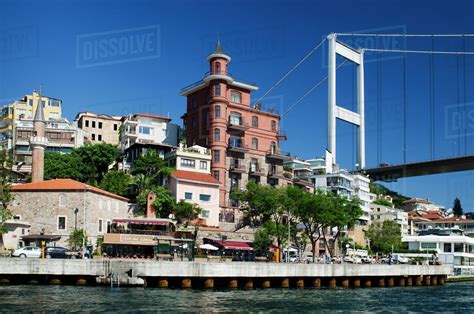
(38, 142)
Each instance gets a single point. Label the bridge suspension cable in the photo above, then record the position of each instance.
(312, 89)
(420, 51)
(404, 35)
(310, 53)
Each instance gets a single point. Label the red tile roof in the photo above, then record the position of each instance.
(153, 116)
(194, 176)
(453, 219)
(63, 185)
(431, 216)
(417, 200)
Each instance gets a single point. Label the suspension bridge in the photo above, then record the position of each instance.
(383, 171)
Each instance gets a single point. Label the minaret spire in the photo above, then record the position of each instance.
(38, 142)
(39, 113)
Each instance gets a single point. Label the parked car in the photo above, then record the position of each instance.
(55, 252)
(352, 259)
(27, 251)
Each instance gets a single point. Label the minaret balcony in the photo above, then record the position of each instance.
(218, 75)
(38, 141)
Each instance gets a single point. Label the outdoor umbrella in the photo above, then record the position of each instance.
(208, 247)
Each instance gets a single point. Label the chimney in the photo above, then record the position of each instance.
(150, 209)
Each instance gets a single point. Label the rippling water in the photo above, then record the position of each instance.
(455, 297)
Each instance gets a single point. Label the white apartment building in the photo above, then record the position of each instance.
(453, 248)
(148, 129)
(192, 181)
(62, 136)
(381, 213)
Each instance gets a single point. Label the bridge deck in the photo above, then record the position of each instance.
(393, 172)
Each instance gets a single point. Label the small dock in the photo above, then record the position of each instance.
(208, 275)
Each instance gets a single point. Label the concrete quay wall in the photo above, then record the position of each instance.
(16, 266)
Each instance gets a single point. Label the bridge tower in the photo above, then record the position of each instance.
(334, 111)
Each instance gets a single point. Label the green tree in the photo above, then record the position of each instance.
(88, 163)
(457, 208)
(341, 215)
(383, 202)
(313, 212)
(96, 159)
(65, 166)
(117, 182)
(5, 195)
(151, 166)
(185, 212)
(383, 237)
(163, 204)
(262, 241)
(77, 238)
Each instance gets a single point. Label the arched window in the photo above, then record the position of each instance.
(217, 89)
(254, 143)
(217, 111)
(236, 96)
(274, 126)
(217, 68)
(62, 200)
(255, 121)
(273, 148)
(217, 135)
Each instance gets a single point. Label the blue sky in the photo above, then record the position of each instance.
(47, 42)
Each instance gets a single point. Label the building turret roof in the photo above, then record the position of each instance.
(39, 114)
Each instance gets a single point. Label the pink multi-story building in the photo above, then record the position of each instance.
(244, 138)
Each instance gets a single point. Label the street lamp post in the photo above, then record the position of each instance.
(76, 210)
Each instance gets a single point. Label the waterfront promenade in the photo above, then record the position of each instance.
(216, 274)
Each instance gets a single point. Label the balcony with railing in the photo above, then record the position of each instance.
(237, 145)
(276, 153)
(282, 136)
(237, 124)
(220, 74)
(256, 170)
(237, 166)
(302, 179)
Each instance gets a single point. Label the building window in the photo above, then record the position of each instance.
(194, 123)
(217, 68)
(93, 124)
(274, 125)
(190, 163)
(188, 195)
(204, 197)
(236, 97)
(217, 156)
(145, 130)
(254, 165)
(100, 125)
(99, 137)
(61, 222)
(217, 135)
(215, 174)
(87, 123)
(93, 136)
(115, 127)
(205, 213)
(254, 143)
(428, 246)
(62, 200)
(217, 89)
(217, 111)
(193, 102)
(203, 164)
(255, 122)
(235, 118)
(100, 225)
(273, 148)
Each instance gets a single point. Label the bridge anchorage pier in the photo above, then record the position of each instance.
(356, 283)
(233, 284)
(427, 280)
(163, 283)
(316, 283)
(367, 283)
(186, 283)
(285, 283)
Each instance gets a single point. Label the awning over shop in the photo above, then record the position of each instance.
(41, 237)
(232, 245)
(144, 221)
